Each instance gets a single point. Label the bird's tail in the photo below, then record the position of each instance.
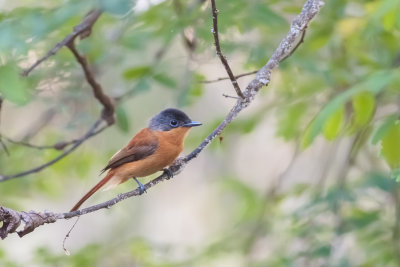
(99, 185)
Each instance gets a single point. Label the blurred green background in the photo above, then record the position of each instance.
(306, 176)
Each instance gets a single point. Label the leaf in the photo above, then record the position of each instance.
(389, 20)
(117, 7)
(196, 88)
(165, 80)
(334, 124)
(122, 119)
(374, 84)
(395, 174)
(136, 72)
(13, 87)
(359, 218)
(364, 107)
(248, 199)
(382, 130)
(391, 145)
(194, 91)
(289, 123)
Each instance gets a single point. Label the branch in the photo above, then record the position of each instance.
(83, 30)
(224, 62)
(108, 107)
(1, 137)
(12, 219)
(57, 146)
(227, 78)
(94, 130)
(255, 71)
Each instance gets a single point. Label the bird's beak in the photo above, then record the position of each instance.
(192, 124)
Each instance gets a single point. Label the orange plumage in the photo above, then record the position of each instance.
(151, 150)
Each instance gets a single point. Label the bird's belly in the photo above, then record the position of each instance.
(154, 163)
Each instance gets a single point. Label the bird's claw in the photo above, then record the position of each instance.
(141, 187)
(169, 173)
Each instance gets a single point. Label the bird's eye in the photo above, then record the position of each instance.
(173, 123)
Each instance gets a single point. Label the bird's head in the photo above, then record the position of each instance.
(170, 119)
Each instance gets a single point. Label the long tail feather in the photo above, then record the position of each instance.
(99, 185)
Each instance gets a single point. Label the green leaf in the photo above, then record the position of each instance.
(359, 218)
(382, 130)
(391, 145)
(122, 119)
(364, 107)
(395, 174)
(165, 80)
(289, 123)
(13, 87)
(196, 88)
(136, 72)
(374, 84)
(334, 124)
(194, 91)
(117, 7)
(389, 20)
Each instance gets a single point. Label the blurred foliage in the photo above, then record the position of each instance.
(341, 84)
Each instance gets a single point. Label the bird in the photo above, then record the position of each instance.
(149, 151)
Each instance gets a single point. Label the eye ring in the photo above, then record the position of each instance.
(173, 123)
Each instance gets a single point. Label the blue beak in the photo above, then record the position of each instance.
(192, 124)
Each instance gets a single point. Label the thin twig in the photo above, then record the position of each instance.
(108, 107)
(57, 146)
(224, 62)
(94, 130)
(227, 78)
(297, 45)
(12, 219)
(255, 71)
(1, 137)
(67, 235)
(229, 96)
(83, 29)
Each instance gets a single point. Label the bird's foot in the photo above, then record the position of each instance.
(142, 189)
(169, 173)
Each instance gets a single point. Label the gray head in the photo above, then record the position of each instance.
(169, 119)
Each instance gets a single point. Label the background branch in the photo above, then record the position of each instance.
(227, 78)
(94, 130)
(12, 219)
(83, 30)
(108, 108)
(255, 71)
(57, 146)
(224, 62)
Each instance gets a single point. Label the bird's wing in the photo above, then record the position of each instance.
(144, 144)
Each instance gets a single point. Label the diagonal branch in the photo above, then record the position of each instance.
(227, 78)
(83, 30)
(108, 107)
(12, 219)
(219, 52)
(57, 146)
(94, 130)
(255, 71)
